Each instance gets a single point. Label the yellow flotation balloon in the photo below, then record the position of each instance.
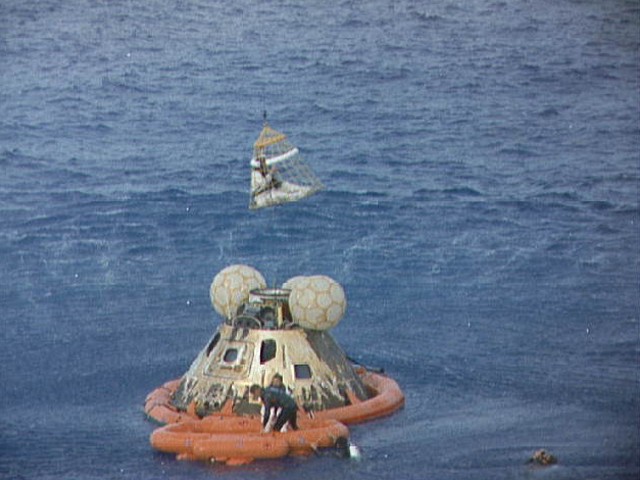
(317, 302)
(292, 281)
(231, 287)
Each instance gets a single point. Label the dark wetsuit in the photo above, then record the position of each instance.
(277, 397)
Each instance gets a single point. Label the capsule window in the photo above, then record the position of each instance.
(231, 355)
(302, 371)
(267, 350)
(213, 343)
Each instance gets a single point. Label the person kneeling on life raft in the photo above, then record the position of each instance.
(278, 399)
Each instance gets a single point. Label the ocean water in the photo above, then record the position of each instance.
(481, 162)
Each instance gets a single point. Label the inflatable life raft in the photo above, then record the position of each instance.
(235, 439)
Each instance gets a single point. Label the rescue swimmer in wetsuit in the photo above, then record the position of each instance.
(277, 382)
(276, 397)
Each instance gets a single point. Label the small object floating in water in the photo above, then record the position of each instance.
(276, 338)
(346, 449)
(542, 457)
(278, 172)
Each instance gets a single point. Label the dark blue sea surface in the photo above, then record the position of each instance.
(481, 162)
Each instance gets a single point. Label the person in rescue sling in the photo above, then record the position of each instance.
(268, 174)
(276, 398)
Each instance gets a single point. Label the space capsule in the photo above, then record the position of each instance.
(265, 333)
